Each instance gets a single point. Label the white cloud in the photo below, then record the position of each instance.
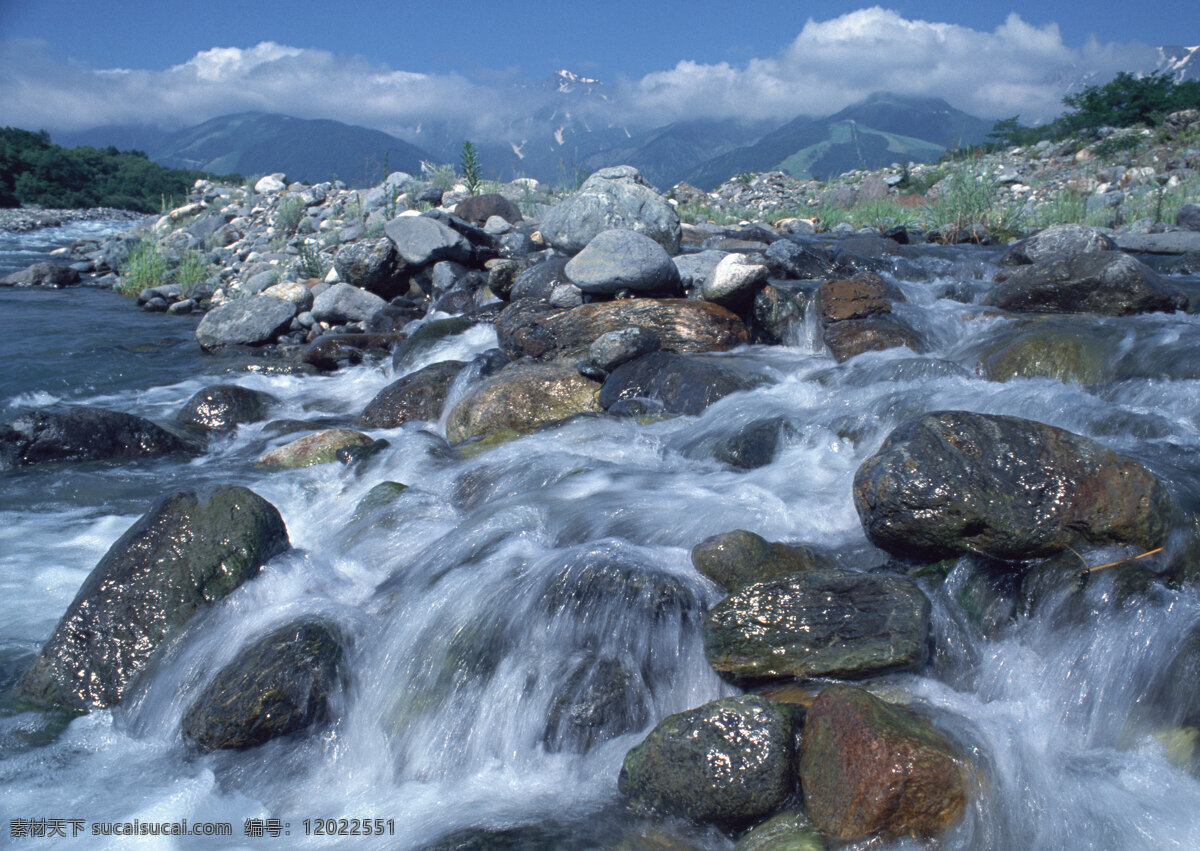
(1017, 68)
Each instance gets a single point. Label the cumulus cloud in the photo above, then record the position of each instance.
(1017, 68)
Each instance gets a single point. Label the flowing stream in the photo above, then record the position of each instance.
(498, 582)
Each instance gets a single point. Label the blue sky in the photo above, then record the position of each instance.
(67, 65)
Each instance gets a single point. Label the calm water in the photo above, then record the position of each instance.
(474, 597)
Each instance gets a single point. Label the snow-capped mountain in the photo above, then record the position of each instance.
(1182, 63)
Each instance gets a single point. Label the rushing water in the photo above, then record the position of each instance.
(473, 600)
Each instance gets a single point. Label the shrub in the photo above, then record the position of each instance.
(144, 268)
(287, 217)
(441, 176)
(191, 272)
(310, 263)
(469, 160)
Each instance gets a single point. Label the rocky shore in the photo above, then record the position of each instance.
(606, 304)
(25, 219)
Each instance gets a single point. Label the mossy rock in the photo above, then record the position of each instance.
(739, 558)
(312, 449)
(522, 397)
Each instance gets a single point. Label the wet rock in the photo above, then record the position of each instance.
(417, 396)
(1058, 242)
(601, 699)
(82, 434)
(539, 280)
(343, 303)
(728, 761)
(522, 397)
(773, 313)
(739, 558)
(819, 623)
(223, 406)
(479, 208)
(426, 337)
(614, 348)
(623, 259)
(857, 298)
(681, 384)
(377, 498)
(1051, 349)
(281, 684)
(373, 265)
(617, 197)
(789, 831)
(318, 448)
(794, 261)
(1107, 282)
(987, 593)
(330, 351)
(251, 321)
(694, 269)
(873, 334)
(734, 281)
(868, 768)
(423, 241)
(681, 325)
(184, 554)
(51, 275)
(955, 482)
(753, 445)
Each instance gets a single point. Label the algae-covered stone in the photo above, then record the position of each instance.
(728, 761)
(380, 496)
(819, 623)
(1052, 349)
(788, 831)
(954, 482)
(522, 397)
(601, 698)
(184, 554)
(281, 684)
(417, 396)
(318, 448)
(739, 558)
(869, 768)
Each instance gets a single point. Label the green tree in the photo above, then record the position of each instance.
(470, 168)
(1128, 101)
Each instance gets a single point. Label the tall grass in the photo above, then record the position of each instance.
(144, 268)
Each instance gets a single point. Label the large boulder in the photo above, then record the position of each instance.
(1060, 241)
(82, 434)
(739, 558)
(184, 554)
(617, 197)
(955, 482)
(869, 768)
(52, 275)
(622, 259)
(1188, 217)
(223, 406)
(479, 208)
(728, 762)
(280, 684)
(343, 303)
(251, 321)
(375, 265)
(417, 396)
(1053, 347)
(855, 298)
(819, 623)
(681, 384)
(522, 397)
(1105, 282)
(423, 241)
(681, 325)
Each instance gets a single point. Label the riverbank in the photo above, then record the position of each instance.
(26, 219)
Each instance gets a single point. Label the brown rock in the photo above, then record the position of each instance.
(417, 396)
(863, 295)
(875, 333)
(522, 397)
(870, 768)
(738, 558)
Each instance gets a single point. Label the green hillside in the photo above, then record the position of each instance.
(849, 144)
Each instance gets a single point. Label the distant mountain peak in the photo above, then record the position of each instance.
(568, 82)
(1181, 63)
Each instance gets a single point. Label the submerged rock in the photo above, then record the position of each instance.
(417, 396)
(1052, 349)
(522, 397)
(278, 685)
(185, 553)
(82, 434)
(739, 558)
(319, 448)
(1106, 282)
(789, 831)
(954, 482)
(601, 699)
(868, 768)
(728, 761)
(223, 406)
(819, 623)
(753, 445)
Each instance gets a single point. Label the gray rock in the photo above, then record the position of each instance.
(617, 197)
(1188, 217)
(479, 208)
(682, 384)
(1060, 241)
(734, 281)
(819, 623)
(956, 482)
(1171, 242)
(1108, 283)
(373, 265)
(223, 406)
(600, 699)
(82, 434)
(276, 182)
(739, 558)
(345, 303)
(729, 761)
(396, 183)
(614, 348)
(256, 283)
(50, 275)
(249, 321)
(795, 261)
(565, 297)
(417, 396)
(623, 259)
(279, 685)
(422, 240)
(539, 280)
(184, 554)
(694, 269)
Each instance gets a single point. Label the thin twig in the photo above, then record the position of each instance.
(1120, 561)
